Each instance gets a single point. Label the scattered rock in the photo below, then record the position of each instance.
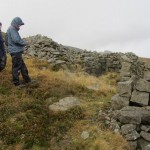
(85, 135)
(65, 104)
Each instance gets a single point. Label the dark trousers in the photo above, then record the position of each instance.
(18, 66)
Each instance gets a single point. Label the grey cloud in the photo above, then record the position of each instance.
(120, 25)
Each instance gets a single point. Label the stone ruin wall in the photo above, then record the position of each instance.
(65, 57)
(131, 105)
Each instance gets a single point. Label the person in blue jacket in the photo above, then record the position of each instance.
(15, 48)
(2, 51)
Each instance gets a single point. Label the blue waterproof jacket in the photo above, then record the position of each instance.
(14, 41)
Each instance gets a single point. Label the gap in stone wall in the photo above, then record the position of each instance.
(134, 104)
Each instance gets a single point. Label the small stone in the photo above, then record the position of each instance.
(65, 104)
(85, 135)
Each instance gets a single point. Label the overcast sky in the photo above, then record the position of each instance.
(115, 25)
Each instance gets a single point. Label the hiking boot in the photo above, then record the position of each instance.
(30, 82)
(19, 85)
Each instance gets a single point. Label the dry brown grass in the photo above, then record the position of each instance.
(29, 105)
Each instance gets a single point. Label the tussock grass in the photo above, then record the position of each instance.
(27, 123)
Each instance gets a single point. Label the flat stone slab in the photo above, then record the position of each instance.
(130, 117)
(118, 102)
(134, 115)
(147, 75)
(141, 98)
(143, 85)
(125, 70)
(65, 104)
(125, 88)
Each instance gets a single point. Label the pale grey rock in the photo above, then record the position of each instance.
(118, 102)
(145, 128)
(65, 104)
(125, 88)
(132, 136)
(130, 115)
(145, 135)
(85, 135)
(125, 70)
(125, 58)
(59, 62)
(94, 87)
(143, 85)
(127, 128)
(147, 75)
(115, 127)
(133, 145)
(141, 98)
(143, 144)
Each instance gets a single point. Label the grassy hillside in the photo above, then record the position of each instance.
(27, 123)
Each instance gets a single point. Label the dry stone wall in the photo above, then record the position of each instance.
(94, 63)
(131, 105)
